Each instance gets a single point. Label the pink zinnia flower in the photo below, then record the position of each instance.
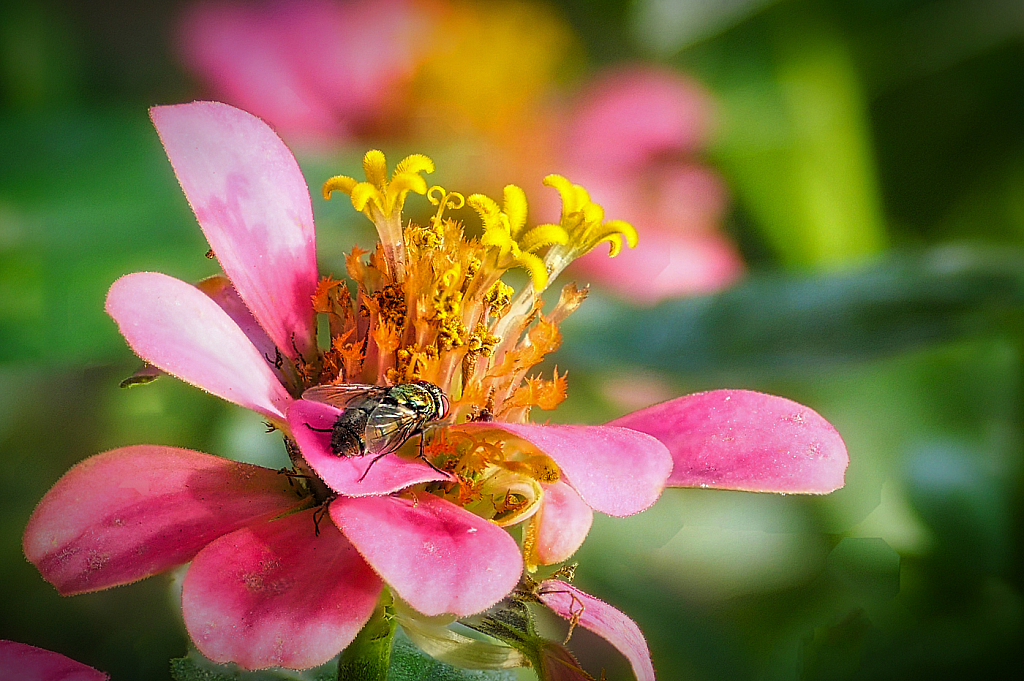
(286, 569)
(27, 663)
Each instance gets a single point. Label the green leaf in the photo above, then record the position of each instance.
(196, 667)
(778, 321)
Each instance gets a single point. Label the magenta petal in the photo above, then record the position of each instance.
(276, 594)
(602, 619)
(177, 328)
(739, 439)
(434, 554)
(27, 663)
(616, 470)
(344, 474)
(561, 524)
(253, 206)
(132, 512)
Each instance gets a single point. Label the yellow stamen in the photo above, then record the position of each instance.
(511, 243)
(583, 220)
(382, 201)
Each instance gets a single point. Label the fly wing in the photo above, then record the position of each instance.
(389, 426)
(341, 394)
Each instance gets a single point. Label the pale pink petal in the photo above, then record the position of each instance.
(220, 291)
(602, 619)
(434, 554)
(311, 68)
(677, 210)
(344, 474)
(630, 115)
(253, 206)
(682, 195)
(177, 328)
(616, 470)
(561, 524)
(21, 662)
(132, 512)
(739, 439)
(276, 594)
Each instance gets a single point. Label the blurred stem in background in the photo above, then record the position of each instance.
(797, 144)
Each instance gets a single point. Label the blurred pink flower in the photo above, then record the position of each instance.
(22, 662)
(270, 583)
(318, 69)
(333, 71)
(633, 139)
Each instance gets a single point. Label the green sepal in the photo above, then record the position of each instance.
(409, 663)
(512, 623)
(368, 657)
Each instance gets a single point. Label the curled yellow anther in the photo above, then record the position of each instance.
(505, 232)
(382, 200)
(584, 221)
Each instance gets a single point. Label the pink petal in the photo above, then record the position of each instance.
(434, 554)
(558, 664)
(253, 206)
(677, 210)
(173, 326)
(132, 512)
(275, 594)
(344, 474)
(22, 662)
(311, 68)
(616, 470)
(561, 524)
(739, 439)
(602, 619)
(336, 49)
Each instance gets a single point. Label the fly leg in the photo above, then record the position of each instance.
(372, 461)
(423, 455)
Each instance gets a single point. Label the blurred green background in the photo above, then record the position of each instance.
(874, 152)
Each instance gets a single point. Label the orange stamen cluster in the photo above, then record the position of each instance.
(430, 304)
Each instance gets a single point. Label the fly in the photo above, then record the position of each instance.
(378, 420)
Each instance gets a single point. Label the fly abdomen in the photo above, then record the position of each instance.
(347, 434)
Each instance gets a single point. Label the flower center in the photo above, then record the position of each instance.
(430, 305)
